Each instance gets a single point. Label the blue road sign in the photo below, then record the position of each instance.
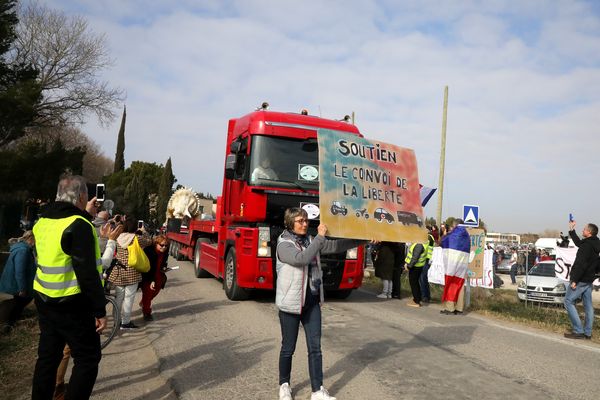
(471, 215)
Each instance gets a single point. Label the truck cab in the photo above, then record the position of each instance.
(271, 164)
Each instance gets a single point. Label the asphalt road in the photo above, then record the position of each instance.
(203, 346)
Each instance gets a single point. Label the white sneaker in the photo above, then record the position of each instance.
(285, 392)
(382, 296)
(322, 394)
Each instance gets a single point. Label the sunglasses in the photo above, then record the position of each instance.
(162, 245)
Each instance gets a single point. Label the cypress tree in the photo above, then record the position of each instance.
(164, 191)
(120, 154)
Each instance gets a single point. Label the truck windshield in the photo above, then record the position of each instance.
(284, 162)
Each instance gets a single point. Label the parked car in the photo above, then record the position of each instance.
(338, 208)
(505, 265)
(382, 214)
(542, 285)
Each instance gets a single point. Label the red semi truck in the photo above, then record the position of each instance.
(271, 164)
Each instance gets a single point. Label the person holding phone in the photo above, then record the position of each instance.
(125, 278)
(581, 279)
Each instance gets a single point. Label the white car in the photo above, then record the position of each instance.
(542, 285)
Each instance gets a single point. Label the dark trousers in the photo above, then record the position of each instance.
(424, 282)
(396, 283)
(19, 305)
(413, 278)
(60, 324)
(290, 324)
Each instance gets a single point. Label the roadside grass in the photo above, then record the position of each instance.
(502, 304)
(18, 353)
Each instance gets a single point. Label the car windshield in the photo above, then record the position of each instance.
(543, 269)
(284, 162)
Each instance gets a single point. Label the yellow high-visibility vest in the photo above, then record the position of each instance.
(430, 247)
(422, 257)
(55, 276)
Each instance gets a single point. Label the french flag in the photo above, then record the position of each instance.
(456, 247)
(426, 193)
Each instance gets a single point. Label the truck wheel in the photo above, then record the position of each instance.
(339, 294)
(178, 255)
(200, 273)
(230, 284)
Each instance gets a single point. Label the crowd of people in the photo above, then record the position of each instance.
(74, 252)
(80, 250)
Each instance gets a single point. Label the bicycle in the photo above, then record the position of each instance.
(113, 318)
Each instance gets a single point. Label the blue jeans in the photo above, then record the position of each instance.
(513, 273)
(290, 324)
(424, 282)
(583, 290)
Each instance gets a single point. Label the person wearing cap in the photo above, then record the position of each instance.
(17, 277)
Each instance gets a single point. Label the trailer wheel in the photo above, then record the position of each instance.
(230, 284)
(200, 273)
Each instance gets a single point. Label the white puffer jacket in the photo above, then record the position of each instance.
(293, 262)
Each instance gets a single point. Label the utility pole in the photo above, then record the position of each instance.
(442, 159)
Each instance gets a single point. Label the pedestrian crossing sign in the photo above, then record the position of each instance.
(471, 215)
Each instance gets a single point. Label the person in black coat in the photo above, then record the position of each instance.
(154, 280)
(581, 280)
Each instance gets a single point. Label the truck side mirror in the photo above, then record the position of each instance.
(230, 164)
(235, 147)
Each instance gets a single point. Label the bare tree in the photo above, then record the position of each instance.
(95, 164)
(69, 58)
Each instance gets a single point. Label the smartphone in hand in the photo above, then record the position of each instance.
(100, 192)
(570, 217)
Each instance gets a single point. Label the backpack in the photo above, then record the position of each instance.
(137, 259)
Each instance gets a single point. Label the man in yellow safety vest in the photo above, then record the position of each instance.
(414, 263)
(68, 291)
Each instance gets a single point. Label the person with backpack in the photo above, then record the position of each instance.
(583, 273)
(123, 276)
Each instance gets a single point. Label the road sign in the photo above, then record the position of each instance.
(471, 215)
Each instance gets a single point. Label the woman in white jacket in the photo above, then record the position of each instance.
(300, 294)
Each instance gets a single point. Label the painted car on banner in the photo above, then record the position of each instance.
(542, 285)
(382, 214)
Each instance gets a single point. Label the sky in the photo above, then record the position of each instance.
(523, 121)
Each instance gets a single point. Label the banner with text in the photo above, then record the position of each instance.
(476, 256)
(369, 189)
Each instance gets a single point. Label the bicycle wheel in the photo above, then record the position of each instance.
(113, 321)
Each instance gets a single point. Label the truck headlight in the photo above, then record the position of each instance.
(522, 285)
(264, 242)
(352, 254)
